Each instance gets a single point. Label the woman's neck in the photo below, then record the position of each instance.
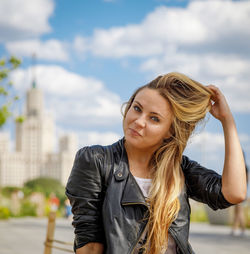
(138, 161)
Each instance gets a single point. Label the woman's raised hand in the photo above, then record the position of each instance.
(219, 107)
(234, 173)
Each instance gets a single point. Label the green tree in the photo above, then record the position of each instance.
(46, 186)
(7, 98)
(8, 190)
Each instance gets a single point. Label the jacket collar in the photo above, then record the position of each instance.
(132, 193)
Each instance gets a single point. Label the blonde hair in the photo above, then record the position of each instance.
(190, 101)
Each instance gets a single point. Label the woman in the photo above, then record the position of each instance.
(132, 196)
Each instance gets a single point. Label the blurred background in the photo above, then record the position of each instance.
(67, 67)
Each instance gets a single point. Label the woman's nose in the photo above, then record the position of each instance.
(141, 121)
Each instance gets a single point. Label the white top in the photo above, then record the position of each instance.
(145, 184)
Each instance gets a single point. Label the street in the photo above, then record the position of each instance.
(27, 235)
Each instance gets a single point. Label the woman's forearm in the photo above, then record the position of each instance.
(91, 248)
(234, 173)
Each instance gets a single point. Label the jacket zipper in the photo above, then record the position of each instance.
(139, 237)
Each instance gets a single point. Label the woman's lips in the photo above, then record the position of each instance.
(134, 132)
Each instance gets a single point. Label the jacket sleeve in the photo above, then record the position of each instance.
(203, 185)
(84, 190)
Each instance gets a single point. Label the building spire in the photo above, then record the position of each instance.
(34, 70)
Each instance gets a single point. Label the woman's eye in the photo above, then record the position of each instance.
(155, 118)
(136, 108)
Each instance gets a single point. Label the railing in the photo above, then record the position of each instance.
(50, 241)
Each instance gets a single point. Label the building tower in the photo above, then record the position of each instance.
(35, 136)
(35, 154)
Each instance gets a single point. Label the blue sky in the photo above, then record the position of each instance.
(92, 54)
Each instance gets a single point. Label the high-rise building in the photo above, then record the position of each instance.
(34, 154)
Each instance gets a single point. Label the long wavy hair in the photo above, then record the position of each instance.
(190, 101)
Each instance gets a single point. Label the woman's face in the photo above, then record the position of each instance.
(148, 120)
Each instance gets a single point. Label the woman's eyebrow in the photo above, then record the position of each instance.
(139, 104)
(155, 113)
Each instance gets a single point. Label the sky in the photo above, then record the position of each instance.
(92, 54)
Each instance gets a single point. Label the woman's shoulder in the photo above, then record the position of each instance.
(186, 162)
(98, 151)
(95, 159)
(190, 166)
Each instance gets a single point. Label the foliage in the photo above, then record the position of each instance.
(6, 97)
(198, 215)
(8, 190)
(27, 209)
(20, 119)
(46, 186)
(4, 212)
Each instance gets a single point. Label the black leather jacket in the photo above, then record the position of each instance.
(109, 207)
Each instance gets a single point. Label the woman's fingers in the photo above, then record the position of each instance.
(220, 108)
(216, 92)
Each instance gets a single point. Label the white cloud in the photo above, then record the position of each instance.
(80, 44)
(236, 90)
(97, 138)
(153, 36)
(207, 140)
(48, 50)
(188, 29)
(208, 149)
(205, 65)
(229, 72)
(88, 138)
(244, 138)
(76, 101)
(208, 40)
(25, 18)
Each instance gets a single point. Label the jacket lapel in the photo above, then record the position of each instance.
(132, 194)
